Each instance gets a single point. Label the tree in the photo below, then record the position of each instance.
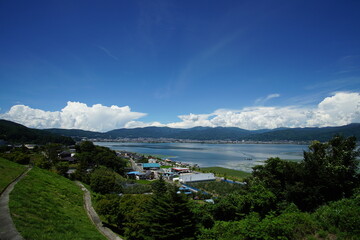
(168, 216)
(85, 146)
(104, 181)
(109, 207)
(62, 168)
(279, 175)
(330, 170)
(132, 209)
(327, 173)
(42, 162)
(51, 151)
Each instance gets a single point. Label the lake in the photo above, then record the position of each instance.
(235, 156)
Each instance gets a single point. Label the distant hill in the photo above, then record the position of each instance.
(220, 133)
(76, 133)
(196, 133)
(17, 133)
(308, 134)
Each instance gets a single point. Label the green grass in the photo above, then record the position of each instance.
(8, 172)
(166, 166)
(232, 174)
(145, 182)
(156, 155)
(45, 205)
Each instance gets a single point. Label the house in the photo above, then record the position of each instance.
(64, 154)
(197, 177)
(67, 157)
(151, 166)
(180, 170)
(152, 160)
(30, 146)
(184, 190)
(137, 175)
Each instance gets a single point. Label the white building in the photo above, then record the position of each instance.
(197, 177)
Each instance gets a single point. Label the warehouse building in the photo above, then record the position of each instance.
(197, 177)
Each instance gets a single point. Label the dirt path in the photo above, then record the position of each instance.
(7, 227)
(94, 217)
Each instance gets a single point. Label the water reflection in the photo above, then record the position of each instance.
(235, 156)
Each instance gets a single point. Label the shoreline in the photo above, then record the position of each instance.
(171, 140)
(237, 158)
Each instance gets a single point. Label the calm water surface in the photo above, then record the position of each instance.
(235, 156)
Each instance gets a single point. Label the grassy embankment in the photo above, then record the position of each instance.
(45, 205)
(8, 172)
(231, 174)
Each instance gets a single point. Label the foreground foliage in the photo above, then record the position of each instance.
(327, 173)
(317, 198)
(45, 205)
(163, 215)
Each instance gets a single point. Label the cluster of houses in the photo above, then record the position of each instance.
(153, 168)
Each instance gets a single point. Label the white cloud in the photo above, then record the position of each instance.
(139, 124)
(340, 109)
(75, 115)
(261, 101)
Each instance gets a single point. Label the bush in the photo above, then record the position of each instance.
(289, 225)
(293, 225)
(341, 216)
(219, 188)
(136, 189)
(104, 181)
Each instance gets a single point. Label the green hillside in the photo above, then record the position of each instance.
(8, 172)
(17, 133)
(45, 205)
(309, 134)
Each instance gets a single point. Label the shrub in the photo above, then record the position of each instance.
(342, 216)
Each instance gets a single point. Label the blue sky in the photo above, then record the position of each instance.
(250, 64)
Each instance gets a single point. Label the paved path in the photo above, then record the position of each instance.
(7, 227)
(94, 217)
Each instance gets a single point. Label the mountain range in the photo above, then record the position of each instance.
(14, 132)
(219, 133)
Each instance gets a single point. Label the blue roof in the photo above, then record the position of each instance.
(151, 165)
(133, 173)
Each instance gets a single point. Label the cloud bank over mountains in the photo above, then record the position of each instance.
(75, 115)
(339, 109)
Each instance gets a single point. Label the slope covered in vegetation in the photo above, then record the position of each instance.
(8, 172)
(17, 133)
(45, 205)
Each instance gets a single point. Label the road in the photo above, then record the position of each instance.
(94, 217)
(8, 230)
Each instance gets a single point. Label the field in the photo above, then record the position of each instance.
(8, 172)
(45, 205)
(232, 174)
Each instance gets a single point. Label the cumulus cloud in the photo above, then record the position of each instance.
(74, 115)
(340, 109)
